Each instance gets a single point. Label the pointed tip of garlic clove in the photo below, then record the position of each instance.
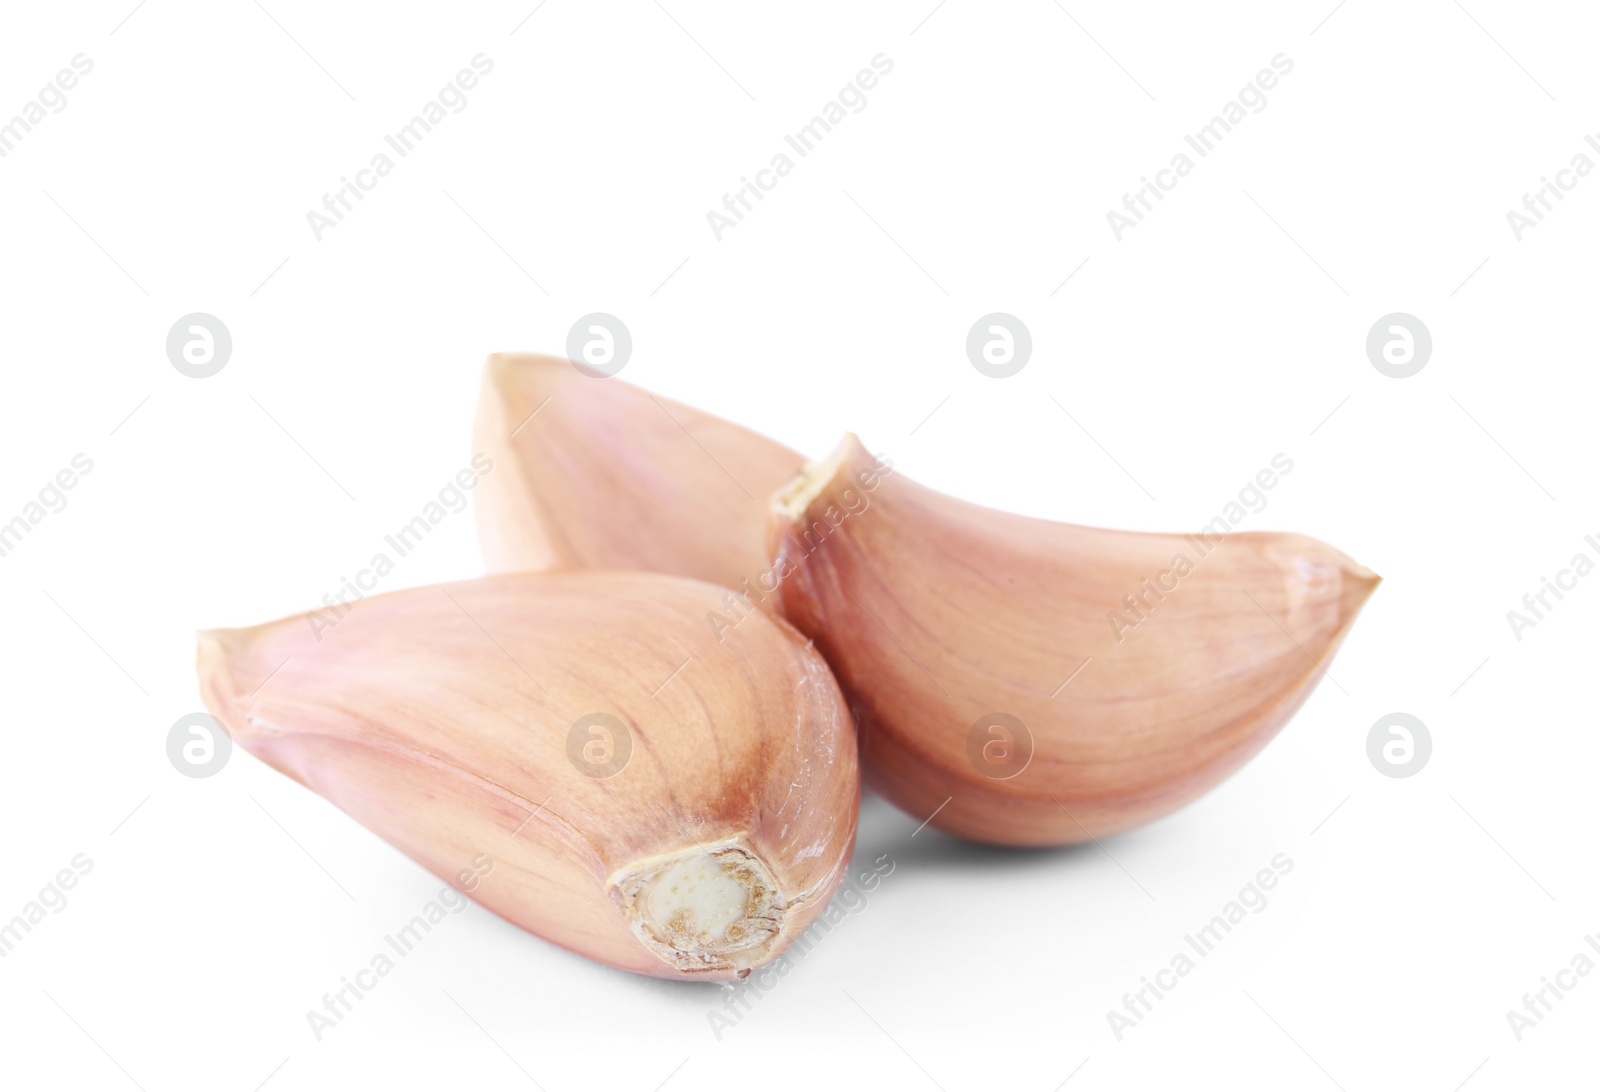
(511, 531)
(1356, 575)
(443, 719)
(215, 655)
(819, 484)
(606, 475)
(234, 667)
(209, 643)
(1317, 576)
(1006, 669)
(1360, 584)
(227, 666)
(518, 375)
(791, 501)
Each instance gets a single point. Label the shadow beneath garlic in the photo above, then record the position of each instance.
(884, 829)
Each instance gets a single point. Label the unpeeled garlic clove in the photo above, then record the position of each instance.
(954, 630)
(649, 796)
(593, 473)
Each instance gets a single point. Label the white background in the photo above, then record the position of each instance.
(1224, 329)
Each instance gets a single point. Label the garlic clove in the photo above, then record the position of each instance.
(643, 793)
(955, 629)
(594, 473)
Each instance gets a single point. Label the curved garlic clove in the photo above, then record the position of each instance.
(955, 630)
(646, 794)
(594, 473)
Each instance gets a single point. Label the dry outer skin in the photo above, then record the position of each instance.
(440, 718)
(943, 620)
(594, 473)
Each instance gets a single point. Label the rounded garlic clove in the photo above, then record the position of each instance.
(593, 473)
(1022, 681)
(610, 774)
